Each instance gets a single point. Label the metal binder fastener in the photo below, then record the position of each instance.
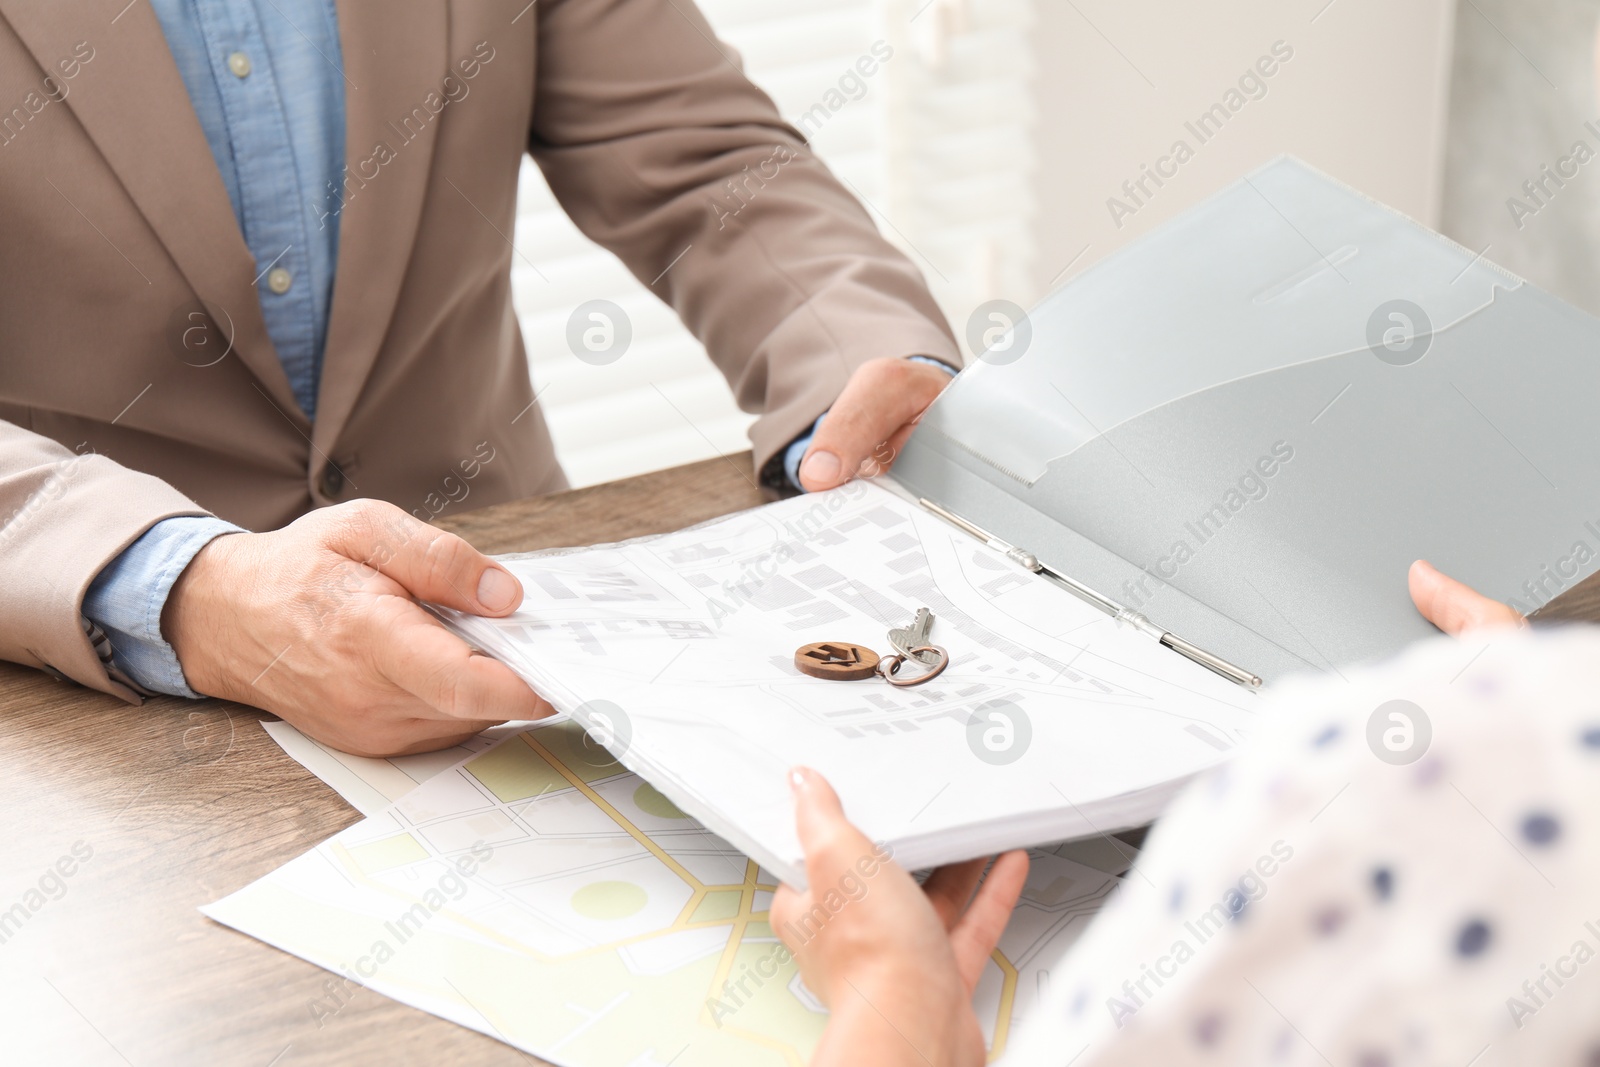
(1029, 562)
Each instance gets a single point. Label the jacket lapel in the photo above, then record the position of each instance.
(395, 55)
(132, 102)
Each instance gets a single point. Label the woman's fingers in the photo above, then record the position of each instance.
(1453, 606)
(832, 845)
(977, 932)
(787, 903)
(950, 888)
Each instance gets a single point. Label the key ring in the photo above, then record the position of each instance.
(890, 664)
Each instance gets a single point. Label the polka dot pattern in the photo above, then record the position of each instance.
(1313, 904)
(1473, 938)
(1329, 921)
(1541, 828)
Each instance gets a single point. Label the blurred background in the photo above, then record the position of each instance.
(993, 146)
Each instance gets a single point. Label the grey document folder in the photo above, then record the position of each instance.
(1249, 423)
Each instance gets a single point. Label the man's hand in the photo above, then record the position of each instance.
(317, 623)
(870, 421)
(896, 964)
(1454, 607)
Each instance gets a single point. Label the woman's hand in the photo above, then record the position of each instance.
(1454, 607)
(896, 964)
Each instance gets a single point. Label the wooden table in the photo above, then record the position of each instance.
(179, 803)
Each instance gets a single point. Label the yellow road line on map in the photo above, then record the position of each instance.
(725, 968)
(735, 936)
(1008, 999)
(616, 816)
(698, 889)
(354, 872)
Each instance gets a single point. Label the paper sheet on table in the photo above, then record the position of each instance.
(600, 926)
(369, 784)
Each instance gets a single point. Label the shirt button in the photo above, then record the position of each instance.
(332, 482)
(239, 63)
(279, 280)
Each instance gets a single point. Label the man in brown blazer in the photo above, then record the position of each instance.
(163, 362)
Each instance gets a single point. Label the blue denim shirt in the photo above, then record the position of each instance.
(265, 80)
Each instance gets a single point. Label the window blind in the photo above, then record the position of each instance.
(937, 145)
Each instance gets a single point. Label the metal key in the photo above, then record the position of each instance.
(915, 636)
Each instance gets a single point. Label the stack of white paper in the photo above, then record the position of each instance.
(676, 652)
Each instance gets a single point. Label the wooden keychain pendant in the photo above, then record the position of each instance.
(836, 661)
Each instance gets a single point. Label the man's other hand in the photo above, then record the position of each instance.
(869, 423)
(1453, 606)
(318, 623)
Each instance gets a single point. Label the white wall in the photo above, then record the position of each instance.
(1522, 97)
(1364, 98)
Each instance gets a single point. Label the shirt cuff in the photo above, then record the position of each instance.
(126, 598)
(797, 448)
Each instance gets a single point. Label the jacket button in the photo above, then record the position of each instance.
(331, 482)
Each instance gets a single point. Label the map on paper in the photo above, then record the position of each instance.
(371, 784)
(599, 925)
(1053, 720)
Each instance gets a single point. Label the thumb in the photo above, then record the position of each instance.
(432, 565)
(1453, 606)
(870, 420)
(825, 834)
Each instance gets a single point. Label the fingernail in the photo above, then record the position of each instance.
(497, 590)
(798, 782)
(821, 468)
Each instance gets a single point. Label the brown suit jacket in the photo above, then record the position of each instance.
(137, 379)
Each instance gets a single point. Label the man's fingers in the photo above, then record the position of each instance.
(430, 742)
(977, 932)
(431, 564)
(405, 737)
(1452, 606)
(411, 649)
(868, 421)
(950, 888)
